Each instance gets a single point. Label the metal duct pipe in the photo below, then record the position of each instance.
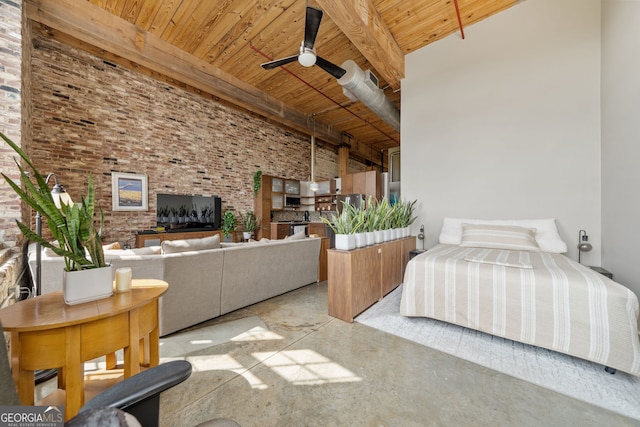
(363, 86)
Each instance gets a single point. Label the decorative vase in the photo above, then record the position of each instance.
(87, 285)
(345, 242)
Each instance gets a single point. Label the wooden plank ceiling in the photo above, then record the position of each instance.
(236, 36)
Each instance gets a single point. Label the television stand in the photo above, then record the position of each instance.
(155, 239)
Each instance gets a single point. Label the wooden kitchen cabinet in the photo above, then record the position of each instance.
(366, 183)
(360, 277)
(317, 228)
(262, 208)
(279, 230)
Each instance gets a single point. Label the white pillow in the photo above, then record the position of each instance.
(508, 237)
(186, 245)
(297, 236)
(547, 235)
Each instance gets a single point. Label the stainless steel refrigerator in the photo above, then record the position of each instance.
(357, 200)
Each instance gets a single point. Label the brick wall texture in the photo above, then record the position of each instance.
(10, 73)
(94, 117)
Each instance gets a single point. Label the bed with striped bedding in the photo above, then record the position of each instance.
(539, 298)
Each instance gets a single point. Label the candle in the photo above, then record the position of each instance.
(123, 279)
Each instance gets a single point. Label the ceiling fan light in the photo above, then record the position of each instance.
(307, 59)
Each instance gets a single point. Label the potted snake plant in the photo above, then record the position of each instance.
(250, 224)
(76, 237)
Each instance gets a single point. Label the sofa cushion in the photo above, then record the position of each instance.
(186, 245)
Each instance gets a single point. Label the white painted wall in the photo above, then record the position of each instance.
(621, 140)
(506, 123)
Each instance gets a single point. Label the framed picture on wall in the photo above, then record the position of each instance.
(129, 192)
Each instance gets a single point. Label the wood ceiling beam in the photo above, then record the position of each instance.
(94, 26)
(361, 23)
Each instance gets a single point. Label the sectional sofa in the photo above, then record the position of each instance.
(205, 283)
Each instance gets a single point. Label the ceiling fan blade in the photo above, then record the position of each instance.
(278, 62)
(311, 26)
(330, 68)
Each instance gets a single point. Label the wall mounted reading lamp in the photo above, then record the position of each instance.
(583, 243)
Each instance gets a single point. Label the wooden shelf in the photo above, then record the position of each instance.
(326, 202)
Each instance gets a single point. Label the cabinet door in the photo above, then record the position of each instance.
(292, 186)
(276, 185)
(277, 201)
(391, 265)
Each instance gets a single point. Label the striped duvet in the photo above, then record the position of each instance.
(537, 298)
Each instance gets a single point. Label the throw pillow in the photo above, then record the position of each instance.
(499, 237)
(110, 246)
(297, 236)
(186, 245)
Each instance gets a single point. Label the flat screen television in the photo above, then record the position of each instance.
(177, 211)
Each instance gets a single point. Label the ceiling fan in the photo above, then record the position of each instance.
(307, 54)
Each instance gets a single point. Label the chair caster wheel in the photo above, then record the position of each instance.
(610, 370)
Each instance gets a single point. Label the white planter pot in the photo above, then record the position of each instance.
(246, 235)
(87, 285)
(361, 240)
(345, 242)
(370, 238)
(378, 236)
(386, 235)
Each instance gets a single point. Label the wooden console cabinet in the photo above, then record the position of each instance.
(360, 277)
(152, 239)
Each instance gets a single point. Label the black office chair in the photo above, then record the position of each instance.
(138, 395)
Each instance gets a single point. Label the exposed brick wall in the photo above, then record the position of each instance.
(10, 63)
(12, 267)
(91, 116)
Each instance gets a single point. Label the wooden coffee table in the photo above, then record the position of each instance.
(46, 333)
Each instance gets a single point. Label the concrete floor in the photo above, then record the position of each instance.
(300, 367)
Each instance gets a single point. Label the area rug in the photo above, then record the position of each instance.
(565, 374)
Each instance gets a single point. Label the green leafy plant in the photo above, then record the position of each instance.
(382, 215)
(406, 214)
(257, 182)
(344, 222)
(249, 222)
(229, 223)
(72, 226)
